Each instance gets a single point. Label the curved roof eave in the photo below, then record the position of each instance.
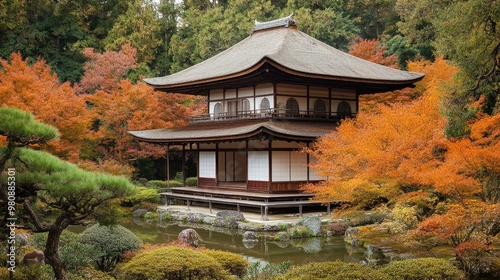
(256, 67)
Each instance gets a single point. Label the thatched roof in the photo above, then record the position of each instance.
(236, 131)
(281, 45)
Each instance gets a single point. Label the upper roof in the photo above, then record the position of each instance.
(235, 130)
(280, 44)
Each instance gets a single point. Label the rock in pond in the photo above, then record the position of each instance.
(191, 237)
(313, 223)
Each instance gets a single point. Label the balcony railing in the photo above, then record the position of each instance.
(273, 113)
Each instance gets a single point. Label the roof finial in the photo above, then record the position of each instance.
(282, 22)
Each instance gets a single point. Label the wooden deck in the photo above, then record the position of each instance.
(243, 199)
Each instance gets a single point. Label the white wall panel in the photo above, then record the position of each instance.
(298, 166)
(258, 166)
(281, 166)
(207, 164)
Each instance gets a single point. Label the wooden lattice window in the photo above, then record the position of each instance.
(319, 107)
(344, 110)
(292, 106)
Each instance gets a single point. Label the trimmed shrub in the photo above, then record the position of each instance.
(235, 264)
(111, 242)
(422, 268)
(141, 196)
(173, 263)
(192, 181)
(156, 184)
(257, 271)
(175, 184)
(74, 255)
(334, 271)
(32, 272)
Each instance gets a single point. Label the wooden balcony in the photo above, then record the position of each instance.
(273, 114)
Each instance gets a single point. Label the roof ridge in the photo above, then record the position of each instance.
(281, 22)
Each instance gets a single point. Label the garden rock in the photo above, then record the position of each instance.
(249, 236)
(34, 257)
(191, 237)
(375, 255)
(139, 213)
(351, 236)
(232, 215)
(313, 223)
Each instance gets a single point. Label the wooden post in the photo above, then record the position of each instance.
(168, 167)
(184, 166)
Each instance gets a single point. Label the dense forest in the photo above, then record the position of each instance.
(429, 153)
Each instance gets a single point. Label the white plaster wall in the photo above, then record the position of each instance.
(216, 94)
(264, 89)
(207, 165)
(245, 92)
(230, 93)
(258, 166)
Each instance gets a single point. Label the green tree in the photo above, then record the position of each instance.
(45, 183)
(467, 33)
(138, 26)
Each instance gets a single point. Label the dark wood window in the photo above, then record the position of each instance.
(319, 107)
(217, 109)
(232, 108)
(292, 106)
(344, 110)
(245, 106)
(264, 105)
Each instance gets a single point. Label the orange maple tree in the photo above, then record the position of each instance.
(382, 153)
(36, 89)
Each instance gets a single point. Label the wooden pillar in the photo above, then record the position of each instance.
(184, 165)
(270, 159)
(217, 164)
(246, 159)
(307, 163)
(168, 166)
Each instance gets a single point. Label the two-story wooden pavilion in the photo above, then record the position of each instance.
(270, 95)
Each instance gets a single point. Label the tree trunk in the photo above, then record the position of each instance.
(52, 254)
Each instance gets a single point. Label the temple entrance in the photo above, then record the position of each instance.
(232, 166)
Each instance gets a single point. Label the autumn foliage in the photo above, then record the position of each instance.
(398, 154)
(36, 89)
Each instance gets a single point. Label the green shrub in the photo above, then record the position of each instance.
(111, 242)
(175, 184)
(156, 184)
(192, 181)
(31, 272)
(174, 263)
(256, 271)
(423, 268)
(334, 271)
(143, 195)
(74, 255)
(90, 273)
(402, 219)
(235, 264)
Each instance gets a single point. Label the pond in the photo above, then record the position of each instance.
(298, 251)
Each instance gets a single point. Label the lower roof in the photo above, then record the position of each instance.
(222, 131)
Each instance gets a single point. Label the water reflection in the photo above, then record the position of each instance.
(299, 251)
